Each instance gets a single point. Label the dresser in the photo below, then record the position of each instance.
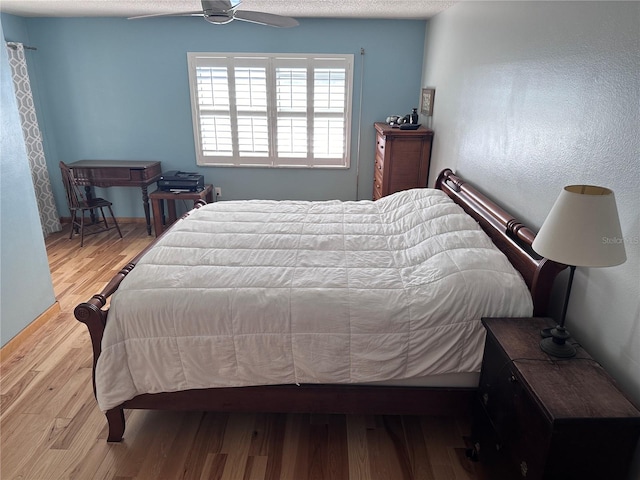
(539, 417)
(402, 159)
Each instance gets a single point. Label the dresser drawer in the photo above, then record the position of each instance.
(377, 184)
(379, 164)
(380, 144)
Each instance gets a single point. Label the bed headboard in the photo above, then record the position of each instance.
(509, 235)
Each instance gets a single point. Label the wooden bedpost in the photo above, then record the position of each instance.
(115, 419)
(91, 313)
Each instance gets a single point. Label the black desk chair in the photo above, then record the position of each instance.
(78, 205)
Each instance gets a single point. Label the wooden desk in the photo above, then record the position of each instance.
(157, 202)
(118, 173)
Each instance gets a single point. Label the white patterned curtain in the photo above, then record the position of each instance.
(33, 140)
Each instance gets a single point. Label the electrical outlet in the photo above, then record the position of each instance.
(218, 192)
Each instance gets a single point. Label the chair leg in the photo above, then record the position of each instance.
(104, 219)
(114, 220)
(73, 224)
(82, 229)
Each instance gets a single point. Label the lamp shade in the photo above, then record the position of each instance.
(582, 229)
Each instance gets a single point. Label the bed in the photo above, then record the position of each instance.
(317, 307)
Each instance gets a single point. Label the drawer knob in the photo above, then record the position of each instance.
(513, 379)
(485, 398)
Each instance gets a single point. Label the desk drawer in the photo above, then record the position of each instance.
(145, 174)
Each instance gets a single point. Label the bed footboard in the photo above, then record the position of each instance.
(93, 314)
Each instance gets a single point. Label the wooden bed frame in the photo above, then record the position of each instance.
(513, 238)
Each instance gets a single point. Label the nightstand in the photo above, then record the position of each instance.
(538, 417)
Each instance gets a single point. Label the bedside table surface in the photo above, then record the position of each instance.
(566, 389)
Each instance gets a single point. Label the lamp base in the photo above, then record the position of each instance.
(546, 332)
(556, 344)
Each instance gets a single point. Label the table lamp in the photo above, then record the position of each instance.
(581, 230)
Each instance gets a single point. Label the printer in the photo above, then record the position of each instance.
(181, 181)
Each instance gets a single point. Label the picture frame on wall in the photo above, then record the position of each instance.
(426, 103)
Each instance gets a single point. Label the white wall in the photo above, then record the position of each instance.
(26, 290)
(533, 96)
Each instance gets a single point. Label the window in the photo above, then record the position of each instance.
(271, 110)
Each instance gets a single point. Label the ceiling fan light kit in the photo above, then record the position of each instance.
(221, 12)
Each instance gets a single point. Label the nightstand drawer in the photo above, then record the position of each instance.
(517, 422)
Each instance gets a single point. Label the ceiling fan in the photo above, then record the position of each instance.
(225, 11)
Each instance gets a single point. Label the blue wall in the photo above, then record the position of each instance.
(26, 290)
(118, 89)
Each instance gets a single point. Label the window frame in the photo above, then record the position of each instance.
(272, 61)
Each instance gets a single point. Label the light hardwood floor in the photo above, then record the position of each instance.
(51, 428)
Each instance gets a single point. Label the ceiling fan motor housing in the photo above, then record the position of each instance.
(218, 18)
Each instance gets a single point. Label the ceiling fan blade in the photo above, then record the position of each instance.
(178, 14)
(265, 19)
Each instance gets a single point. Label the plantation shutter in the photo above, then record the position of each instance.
(272, 110)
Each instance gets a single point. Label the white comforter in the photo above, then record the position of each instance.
(265, 292)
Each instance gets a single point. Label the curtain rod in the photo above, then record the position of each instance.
(14, 45)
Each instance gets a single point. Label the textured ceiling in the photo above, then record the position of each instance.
(405, 9)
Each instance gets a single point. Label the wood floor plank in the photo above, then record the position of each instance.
(256, 467)
(419, 454)
(160, 452)
(290, 444)
(301, 468)
(119, 453)
(172, 463)
(13, 393)
(358, 453)
(214, 466)
(237, 441)
(318, 452)
(24, 441)
(41, 348)
(49, 394)
(268, 442)
(51, 427)
(386, 459)
(207, 440)
(338, 458)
